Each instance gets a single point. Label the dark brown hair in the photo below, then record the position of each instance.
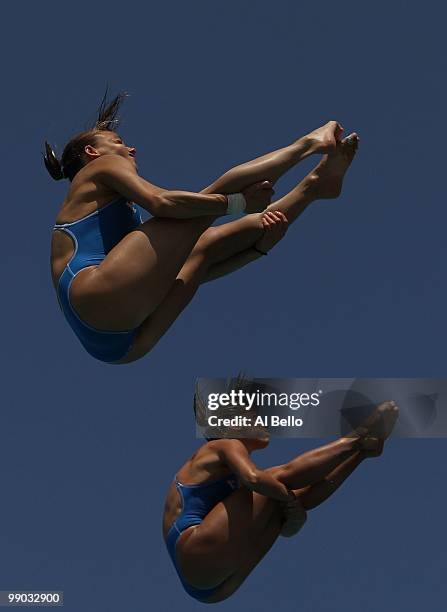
(240, 382)
(71, 161)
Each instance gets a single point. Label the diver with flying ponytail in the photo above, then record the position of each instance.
(121, 283)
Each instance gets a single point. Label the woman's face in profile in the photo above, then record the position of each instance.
(111, 143)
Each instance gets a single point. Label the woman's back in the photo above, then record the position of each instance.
(85, 196)
(204, 468)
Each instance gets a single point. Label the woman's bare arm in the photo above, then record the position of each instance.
(120, 175)
(234, 454)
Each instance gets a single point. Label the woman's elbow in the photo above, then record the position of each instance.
(158, 205)
(250, 479)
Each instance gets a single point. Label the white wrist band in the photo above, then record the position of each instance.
(236, 203)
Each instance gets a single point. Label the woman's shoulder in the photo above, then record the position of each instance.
(223, 444)
(84, 197)
(100, 170)
(220, 444)
(206, 463)
(212, 455)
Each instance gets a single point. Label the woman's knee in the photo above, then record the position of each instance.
(280, 472)
(202, 255)
(206, 240)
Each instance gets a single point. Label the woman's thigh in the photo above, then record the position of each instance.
(259, 550)
(233, 537)
(137, 274)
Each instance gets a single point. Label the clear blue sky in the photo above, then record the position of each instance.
(358, 288)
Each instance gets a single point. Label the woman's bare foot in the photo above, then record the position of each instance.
(325, 138)
(376, 429)
(327, 177)
(381, 422)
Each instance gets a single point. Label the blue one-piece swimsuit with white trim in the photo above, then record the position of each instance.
(94, 236)
(197, 501)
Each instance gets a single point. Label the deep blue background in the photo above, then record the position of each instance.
(358, 288)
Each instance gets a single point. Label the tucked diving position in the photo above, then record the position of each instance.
(222, 514)
(122, 283)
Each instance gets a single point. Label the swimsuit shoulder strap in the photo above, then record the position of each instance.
(92, 214)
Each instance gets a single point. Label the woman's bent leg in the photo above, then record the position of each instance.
(230, 542)
(313, 466)
(316, 494)
(218, 242)
(224, 254)
(260, 548)
(137, 273)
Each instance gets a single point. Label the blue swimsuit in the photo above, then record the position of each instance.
(94, 236)
(197, 502)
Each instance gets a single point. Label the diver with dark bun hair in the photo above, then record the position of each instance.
(122, 283)
(223, 514)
